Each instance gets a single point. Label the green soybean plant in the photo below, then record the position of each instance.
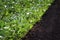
(19, 16)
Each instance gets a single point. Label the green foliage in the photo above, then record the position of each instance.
(18, 16)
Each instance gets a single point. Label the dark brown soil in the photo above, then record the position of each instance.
(48, 28)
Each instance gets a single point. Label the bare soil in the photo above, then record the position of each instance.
(48, 28)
